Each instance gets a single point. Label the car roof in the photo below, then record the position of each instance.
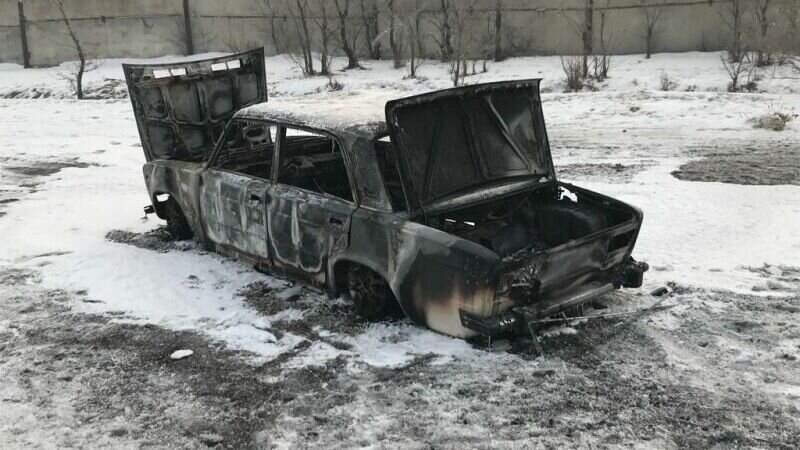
(361, 114)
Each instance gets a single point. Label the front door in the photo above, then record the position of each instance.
(234, 188)
(234, 212)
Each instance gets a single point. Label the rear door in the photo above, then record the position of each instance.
(181, 108)
(310, 203)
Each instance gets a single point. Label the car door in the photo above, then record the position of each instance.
(234, 213)
(234, 191)
(309, 209)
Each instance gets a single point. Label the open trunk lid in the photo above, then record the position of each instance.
(458, 141)
(181, 107)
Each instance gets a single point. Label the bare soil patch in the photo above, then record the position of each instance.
(753, 166)
(606, 172)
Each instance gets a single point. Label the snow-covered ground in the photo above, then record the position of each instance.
(75, 250)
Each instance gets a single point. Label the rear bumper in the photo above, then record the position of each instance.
(516, 320)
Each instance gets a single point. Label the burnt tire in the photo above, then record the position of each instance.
(177, 225)
(372, 298)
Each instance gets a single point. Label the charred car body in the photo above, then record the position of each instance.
(444, 205)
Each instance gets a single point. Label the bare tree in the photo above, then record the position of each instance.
(498, 31)
(177, 33)
(187, 27)
(235, 38)
(652, 11)
(587, 35)
(791, 11)
(444, 27)
(791, 46)
(419, 6)
(602, 62)
(325, 33)
(76, 76)
(733, 17)
(395, 35)
(761, 12)
(369, 13)
(410, 20)
(275, 31)
(347, 39)
(463, 39)
(305, 60)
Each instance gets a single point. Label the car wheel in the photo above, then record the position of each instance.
(177, 226)
(372, 297)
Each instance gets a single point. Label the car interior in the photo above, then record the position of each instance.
(310, 161)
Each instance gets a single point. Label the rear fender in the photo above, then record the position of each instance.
(437, 274)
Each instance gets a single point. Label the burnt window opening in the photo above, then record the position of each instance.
(314, 162)
(247, 147)
(387, 164)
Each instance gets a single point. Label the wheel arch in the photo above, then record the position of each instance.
(338, 272)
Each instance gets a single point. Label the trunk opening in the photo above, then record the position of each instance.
(528, 222)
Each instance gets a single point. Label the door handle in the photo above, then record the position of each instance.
(256, 198)
(335, 221)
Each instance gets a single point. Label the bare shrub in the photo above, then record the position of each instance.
(573, 70)
(774, 120)
(666, 83)
(73, 73)
(741, 72)
(334, 84)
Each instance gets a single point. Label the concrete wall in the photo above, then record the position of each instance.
(145, 28)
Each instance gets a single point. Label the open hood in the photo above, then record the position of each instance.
(457, 141)
(181, 108)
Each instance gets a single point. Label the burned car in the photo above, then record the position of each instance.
(443, 206)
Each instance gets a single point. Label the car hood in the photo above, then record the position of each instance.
(454, 142)
(182, 107)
